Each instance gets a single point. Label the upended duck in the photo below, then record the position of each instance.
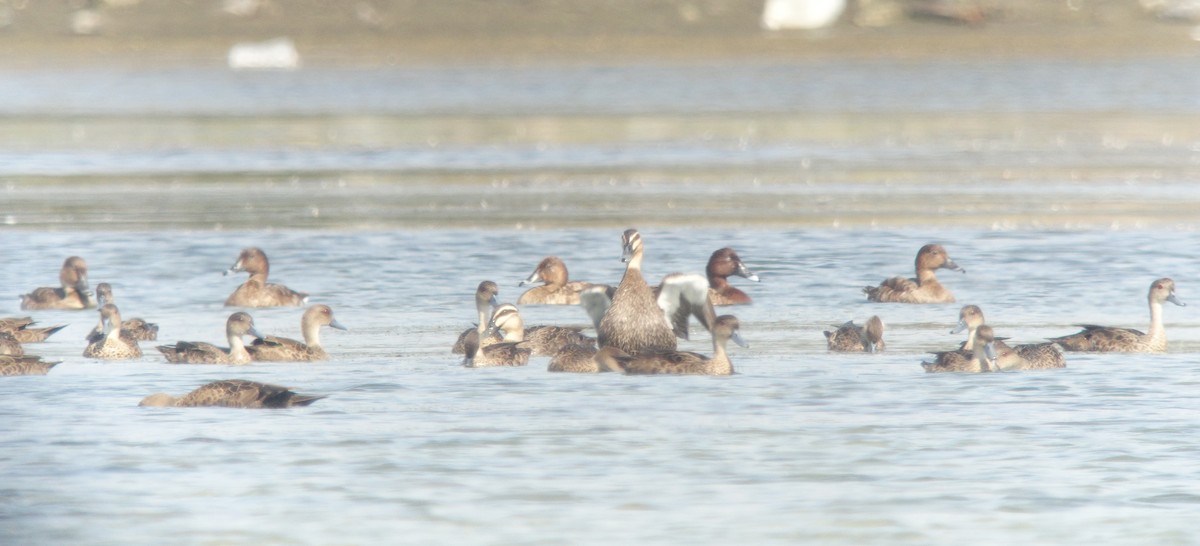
(72, 292)
(925, 288)
(852, 338)
(1127, 340)
(282, 349)
(256, 291)
(136, 328)
(638, 320)
(486, 298)
(556, 288)
(198, 352)
(724, 329)
(233, 393)
(114, 343)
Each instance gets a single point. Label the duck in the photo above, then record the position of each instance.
(638, 320)
(925, 288)
(724, 329)
(1028, 356)
(581, 357)
(197, 352)
(20, 329)
(852, 338)
(504, 353)
(723, 263)
(256, 291)
(282, 349)
(487, 297)
(1103, 339)
(541, 340)
(115, 343)
(970, 318)
(72, 292)
(138, 328)
(556, 288)
(983, 358)
(233, 393)
(9, 346)
(25, 365)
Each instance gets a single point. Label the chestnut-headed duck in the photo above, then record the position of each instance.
(72, 292)
(925, 288)
(138, 328)
(233, 393)
(1127, 340)
(256, 291)
(640, 321)
(198, 352)
(282, 349)
(24, 365)
(486, 298)
(556, 288)
(21, 329)
(852, 338)
(724, 329)
(723, 263)
(114, 343)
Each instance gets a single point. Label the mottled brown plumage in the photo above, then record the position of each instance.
(925, 288)
(970, 318)
(721, 265)
(540, 340)
(282, 349)
(233, 393)
(556, 288)
(634, 322)
(72, 292)
(114, 343)
(9, 346)
(256, 291)
(486, 298)
(136, 328)
(24, 365)
(677, 362)
(982, 357)
(20, 328)
(852, 338)
(198, 352)
(1127, 340)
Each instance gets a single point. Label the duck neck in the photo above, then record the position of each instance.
(258, 277)
(720, 364)
(312, 334)
(237, 350)
(926, 276)
(717, 282)
(970, 344)
(1156, 322)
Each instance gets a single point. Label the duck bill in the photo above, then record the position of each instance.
(737, 338)
(958, 329)
(535, 277)
(236, 267)
(494, 301)
(254, 332)
(989, 352)
(626, 253)
(744, 271)
(1174, 299)
(335, 324)
(952, 266)
(871, 347)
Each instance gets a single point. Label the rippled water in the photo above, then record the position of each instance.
(395, 216)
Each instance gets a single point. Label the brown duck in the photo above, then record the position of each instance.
(256, 291)
(233, 393)
(852, 338)
(24, 365)
(114, 343)
(21, 329)
(197, 352)
(556, 288)
(138, 328)
(925, 288)
(72, 292)
(721, 265)
(1127, 340)
(282, 349)
(486, 298)
(678, 362)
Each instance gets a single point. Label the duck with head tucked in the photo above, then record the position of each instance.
(256, 291)
(540, 340)
(852, 338)
(1127, 340)
(138, 328)
(282, 349)
(72, 292)
(198, 352)
(24, 365)
(721, 265)
(114, 343)
(556, 288)
(925, 288)
(486, 298)
(638, 320)
(20, 329)
(233, 393)
(724, 329)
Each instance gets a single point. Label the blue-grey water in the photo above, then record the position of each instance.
(1062, 188)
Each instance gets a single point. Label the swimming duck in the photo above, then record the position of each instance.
(486, 298)
(556, 289)
(198, 352)
(19, 328)
(983, 358)
(256, 291)
(581, 357)
(24, 365)
(282, 349)
(137, 328)
(723, 263)
(970, 318)
(504, 353)
(638, 321)
(852, 338)
(1127, 340)
(115, 343)
(233, 393)
(1028, 356)
(541, 340)
(677, 362)
(923, 289)
(71, 294)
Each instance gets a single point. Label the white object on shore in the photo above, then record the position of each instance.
(277, 54)
(801, 14)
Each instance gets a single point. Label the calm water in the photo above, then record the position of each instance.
(389, 195)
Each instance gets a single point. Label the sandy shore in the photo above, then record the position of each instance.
(380, 32)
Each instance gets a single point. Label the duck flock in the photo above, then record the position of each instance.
(636, 325)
